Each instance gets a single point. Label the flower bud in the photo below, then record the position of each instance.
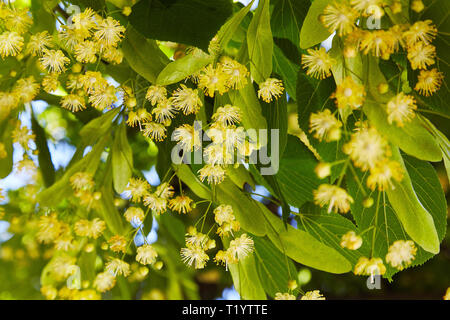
(323, 170)
(368, 202)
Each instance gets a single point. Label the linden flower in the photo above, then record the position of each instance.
(421, 55)
(138, 117)
(318, 63)
(313, 295)
(165, 111)
(84, 22)
(102, 99)
(186, 100)
(49, 292)
(156, 94)
(401, 108)
(187, 137)
(54, 61)
(337, 199)
(325, 126)
(223, 213)
(38, 43)
(85, 52)
(351, 241)
(165, 190)
(227, 115)
(49, 228)
(241, 247)
(224, 258)
(134, 213)
(50, 82)
(364, 5)
(429, 81)
(112, 55)
(73, 102)
(284, 296)
(118, 267)
(118, 243)
(193, 237)
(383, 173)
(154, 131)
(401, 254)
(366, 148)
(146, 254)
(212, 79)
(91, 81)
(339, 17)
(26, 89)
(194, 255)
(91, 229)
(11, 44)
(350, 94)
(417, 5)
(212, 174)
(421, 31)
(269, 89)
(82, 181)
(228, 227)
(155, 203)
(379, 43)
(63, 267)
(181, 204)
(22, 135)
(18, 20)
(109, 32)
(236, 73)
(137, 188)
(369, 267)
(8, 101)
(447, 294)
(217, 154)
(3, 155)
(104, 281)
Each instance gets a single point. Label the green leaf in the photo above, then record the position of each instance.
(381, 226)
(122, 159)
(97, 5)
(191, 22)
(6, 163)
(228, 30)
(260, 43)
(287, 18)
(45, 160)
(182, 68)
(328, 228)
(296, 176)
(246, 281)
(287, 70)
(416, 220)
(274, 268)
(185, 173)
(412, 138)
(313, 32)
(108, 210)
(240, 176)
(248, 102)
(143, 55)
(98, 127)
(61, 189)
(312, 96)
(245, 209)
(302, 247)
